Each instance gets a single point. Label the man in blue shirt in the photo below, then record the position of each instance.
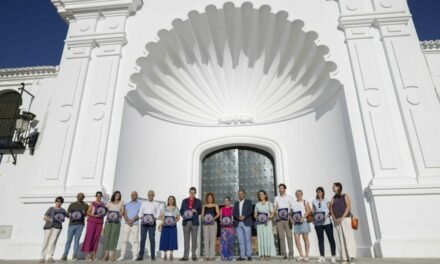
(131, 227)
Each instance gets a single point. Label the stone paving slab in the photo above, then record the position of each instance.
(360, 261)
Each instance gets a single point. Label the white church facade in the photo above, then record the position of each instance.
(229, 94)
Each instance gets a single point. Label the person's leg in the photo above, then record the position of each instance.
(194, 231)
(116, 231)
(331, 239)
(134, 237)
(107, 235)
(240, 234)
(298, 244)
(306, 243)
(341, 242)
(152, 237)
(248, 240)
(47, 233)
(143, 239)
(206, 235)
(186, 237)
(77, 237)
(289, 237)
(53, 241)
(125, 236)
(282, 237)
(349, 238)
(320, 234)
(70, 234)
(213, 239)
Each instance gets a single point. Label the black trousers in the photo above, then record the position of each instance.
(331, 239)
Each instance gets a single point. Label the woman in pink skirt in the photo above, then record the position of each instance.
(94, 227)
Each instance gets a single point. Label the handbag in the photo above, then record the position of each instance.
(354, 223)
(310, 218)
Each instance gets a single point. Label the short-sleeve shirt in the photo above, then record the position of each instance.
(299, 206)
(76, 206)
(321, 206)
(50, 213)
(132, 210)
(285, 201)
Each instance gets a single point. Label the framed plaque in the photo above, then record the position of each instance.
(208, 219)
(297, 216)
(169, 221)
(262, 218)
(59, 217)
(188, 214)
(113, 217)
(76, 215)
(101, 211)
(283, 214)
(226, 221)
(319, 218)
(148, 219)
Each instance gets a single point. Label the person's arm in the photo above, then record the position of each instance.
(236, 212)
(181, 208)
(47, 215)
(348, 206)
(126, 217)
(68, 211)
(255, 211)
(162, 216)
(271, 211)
(308, 209)
(122, 211)
(177, 215)
(248, 213)
(203, 211)
(158, 211)
(275, 204)
(90, 210)
(217, 212)
(199, 209)
(332, 214)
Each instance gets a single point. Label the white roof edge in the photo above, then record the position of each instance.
(29, 71)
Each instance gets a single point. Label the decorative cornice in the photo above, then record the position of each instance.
(430, 44)
(34, 71)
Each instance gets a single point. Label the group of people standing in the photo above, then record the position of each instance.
(236, 219)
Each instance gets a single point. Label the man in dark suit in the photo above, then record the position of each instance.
(190, 210)
(243, 223)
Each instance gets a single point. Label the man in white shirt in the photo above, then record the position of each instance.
(148, 213)
(283, 203)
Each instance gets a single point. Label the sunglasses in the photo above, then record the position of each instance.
(319, 205)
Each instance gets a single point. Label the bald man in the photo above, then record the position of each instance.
(150, 209)
(131, 227)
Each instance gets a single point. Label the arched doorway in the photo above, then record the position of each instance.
(226, 170)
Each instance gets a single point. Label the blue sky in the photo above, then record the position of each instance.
(32, 33)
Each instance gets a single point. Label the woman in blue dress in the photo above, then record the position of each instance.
(168, 237)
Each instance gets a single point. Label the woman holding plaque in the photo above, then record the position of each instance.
(321, 213)
(54, 218)
(300, 211)
(340, 209)
(210, 214)
(264, 212)
(95, 220)
(227, 238)
(112, 227)
(168, 237)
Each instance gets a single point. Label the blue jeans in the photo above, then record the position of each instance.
(151, 234)
(244, 239)
(73, 231)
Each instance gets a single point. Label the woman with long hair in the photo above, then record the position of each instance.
(210, 214)
(95, 221)
(227, 234)
(301, 209)
(322, 222)
(264, 212)
(168, 237)
(112, 227)
(340, 209)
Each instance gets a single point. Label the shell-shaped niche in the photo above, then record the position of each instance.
(233, 66)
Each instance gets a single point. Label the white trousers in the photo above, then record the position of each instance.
(345, 239)
(130, 233)
(49, 243)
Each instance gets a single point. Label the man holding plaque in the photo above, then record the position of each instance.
(283, 202)
(76, 212)
(54, 218)
(243, 222)
(131, 227)
(190, 210)
(148, 213)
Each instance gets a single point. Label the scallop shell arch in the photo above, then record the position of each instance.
(233, 66)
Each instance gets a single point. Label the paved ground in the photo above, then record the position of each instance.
(360, 261)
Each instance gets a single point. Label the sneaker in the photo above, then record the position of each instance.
(249, 259)
(184, 259)
(306, 259)
(51, 260)
(139, 258)
(63, 258)
(320, 260)
(352, 261)
(75, 259)
(194, 258)
(299, 259)
(333, 260)
(121, 258)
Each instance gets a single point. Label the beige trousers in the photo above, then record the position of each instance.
(130, 234)
(49, 243)
(345, 240)
(284, 231)
(209, 239)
